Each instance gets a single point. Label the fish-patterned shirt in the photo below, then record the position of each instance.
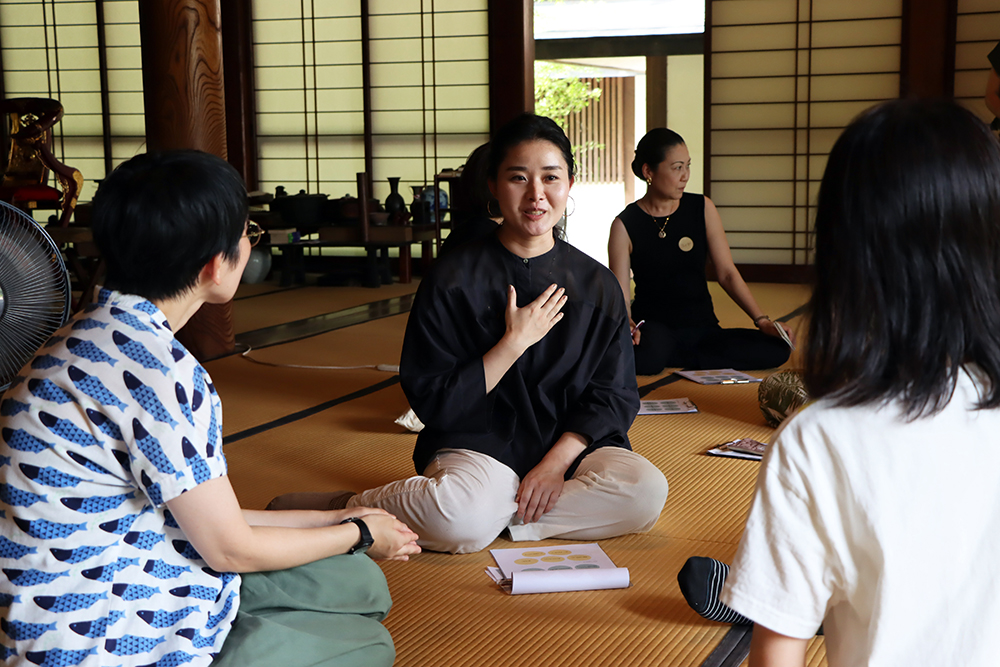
(111, 419)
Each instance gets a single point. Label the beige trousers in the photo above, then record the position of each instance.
(465, 499)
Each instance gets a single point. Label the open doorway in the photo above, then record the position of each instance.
(646, 59)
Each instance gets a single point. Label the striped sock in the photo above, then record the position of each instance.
(701, 581)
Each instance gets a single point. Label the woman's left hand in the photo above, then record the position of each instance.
(538, 493)
(771, 329)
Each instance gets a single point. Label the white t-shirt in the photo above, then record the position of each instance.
(887, 529)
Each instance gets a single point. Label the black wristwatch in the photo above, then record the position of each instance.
(366, 536)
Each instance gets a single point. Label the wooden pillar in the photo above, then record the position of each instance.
(241, 108)
(184, 97)
(512, 59)
(927, 53)
(656, 92)
(628, 135)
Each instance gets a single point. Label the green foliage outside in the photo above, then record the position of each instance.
(560, 92)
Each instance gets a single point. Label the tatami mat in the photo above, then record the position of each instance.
(446, 611)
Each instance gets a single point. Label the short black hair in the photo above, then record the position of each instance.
(528, 127)
(159, 218)
(907, 240)
(652, 149)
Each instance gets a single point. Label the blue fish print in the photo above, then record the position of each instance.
(132, 645)
(164, 570)
(195, 462)
(124, 458)
(88, 323)
(4, 461)
(49, 476)
(89, 351)
(57, 657)
(169, 520)
(145, 540)
(16, 497)
(32, 577)
(6, 599)
(87, 463)
(163, 619)
(53, 340)
(47, 390)
(197, 640)
(6, 653)
(182, 401)
(67, 430)
(48, 530)
(150, 446)
(98, 627)
(11, 407)
(106, 426)
(147, 307)
(93, 387)
(44, 362)
(130, 320)
(212, 439)
(198, 592)
(177, 351)
(103, 298)
(78, 555)
(119, 526)
(184, 548)
(108, 572)
(133, 592)
(12, 550)
(138, 353)
(172, 659)
(69, 602)
(214, 620)
(200, 387)
(153, 490)
(96, 504)
(20, 630)
(146, 397)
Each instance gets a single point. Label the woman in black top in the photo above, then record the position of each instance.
(664, 239)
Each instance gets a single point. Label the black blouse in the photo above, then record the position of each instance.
(580, 377)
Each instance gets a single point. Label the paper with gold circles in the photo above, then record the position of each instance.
(576, 567)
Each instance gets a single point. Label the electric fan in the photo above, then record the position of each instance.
(34, 290)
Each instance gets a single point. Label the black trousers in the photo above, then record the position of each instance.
(698, 348)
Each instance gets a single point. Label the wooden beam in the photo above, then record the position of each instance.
(184, 96)
(627, 45)
(512, 59)
(927, 53)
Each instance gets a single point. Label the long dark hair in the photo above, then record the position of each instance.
(907, 259)
(652, 149)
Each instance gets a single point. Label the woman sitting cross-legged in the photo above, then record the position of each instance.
(518, 359)
(664, 239)
(120, 534)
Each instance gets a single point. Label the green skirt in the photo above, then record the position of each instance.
(325, 613)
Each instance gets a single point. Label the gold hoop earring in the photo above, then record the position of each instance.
(569, 213)
(490, 213)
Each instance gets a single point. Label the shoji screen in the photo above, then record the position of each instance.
(785, 77)
(429, 94)
(50, 49)
(977, 32)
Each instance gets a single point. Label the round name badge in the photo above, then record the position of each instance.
(685, 244)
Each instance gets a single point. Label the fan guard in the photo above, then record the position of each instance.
(34, 290)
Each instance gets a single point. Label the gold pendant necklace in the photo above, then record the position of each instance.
(663, 228)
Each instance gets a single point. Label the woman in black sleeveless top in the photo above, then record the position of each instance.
(664, 238)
